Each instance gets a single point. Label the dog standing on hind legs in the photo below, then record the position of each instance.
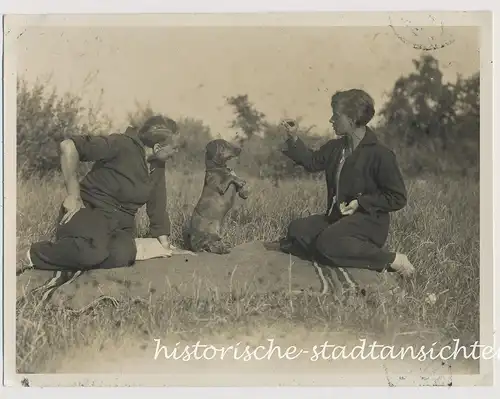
(218, 196)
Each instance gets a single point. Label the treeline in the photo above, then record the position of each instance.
(433, 126)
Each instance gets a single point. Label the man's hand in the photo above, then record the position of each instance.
(166, 244)
(72, 204)
(349, 209)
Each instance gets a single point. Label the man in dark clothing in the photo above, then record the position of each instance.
(364, 185)
(97, 220)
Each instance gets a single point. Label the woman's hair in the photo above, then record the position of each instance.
(356, 104)
(157, 130)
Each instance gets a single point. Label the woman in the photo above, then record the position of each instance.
(96, 227)
(364, 185)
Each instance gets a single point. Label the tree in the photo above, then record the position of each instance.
(416, 99)
(434, 123)
(248, 119)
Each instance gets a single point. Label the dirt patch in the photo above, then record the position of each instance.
(250, 269)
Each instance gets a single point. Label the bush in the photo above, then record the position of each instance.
(44, 119)
(262, 156)
(433, 128)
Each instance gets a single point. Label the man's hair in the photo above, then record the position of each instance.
(356, 104)
(157, 130)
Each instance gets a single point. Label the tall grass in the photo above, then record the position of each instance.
(439, 230)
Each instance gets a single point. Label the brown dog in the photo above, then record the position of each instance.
(217, 198)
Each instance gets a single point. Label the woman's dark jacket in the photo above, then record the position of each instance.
(370, 174)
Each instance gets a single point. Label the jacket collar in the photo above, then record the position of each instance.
(369, 138)
(132, 132)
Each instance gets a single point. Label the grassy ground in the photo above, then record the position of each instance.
(439, 230)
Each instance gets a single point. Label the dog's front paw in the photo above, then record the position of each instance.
(244, 193)
(240, 183)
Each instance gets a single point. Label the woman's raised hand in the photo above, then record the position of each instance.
(290, 127)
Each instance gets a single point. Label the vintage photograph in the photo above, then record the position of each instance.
(259, 195)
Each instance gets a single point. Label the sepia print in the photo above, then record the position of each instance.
(249, 199)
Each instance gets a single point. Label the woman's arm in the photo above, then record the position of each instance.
(391, 195)
(311, 160)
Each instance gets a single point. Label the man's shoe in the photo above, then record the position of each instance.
(27, 264)
(60, 279)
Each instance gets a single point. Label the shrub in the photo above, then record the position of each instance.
(44, 119)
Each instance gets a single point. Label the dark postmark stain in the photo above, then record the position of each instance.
(424, 38)
(431, 376)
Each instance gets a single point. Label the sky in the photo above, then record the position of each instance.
(189, 71)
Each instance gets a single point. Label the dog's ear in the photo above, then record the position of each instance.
(220, 151)
(228, 150)
(211, 151)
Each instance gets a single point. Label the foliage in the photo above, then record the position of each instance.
(44, 119)
(248, 119)
(433, 125)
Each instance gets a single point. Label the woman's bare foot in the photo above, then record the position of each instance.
(402, 265)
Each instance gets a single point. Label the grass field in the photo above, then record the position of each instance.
(439, 230)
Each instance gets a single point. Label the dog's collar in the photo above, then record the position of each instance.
(209, 165)
(218, 167)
